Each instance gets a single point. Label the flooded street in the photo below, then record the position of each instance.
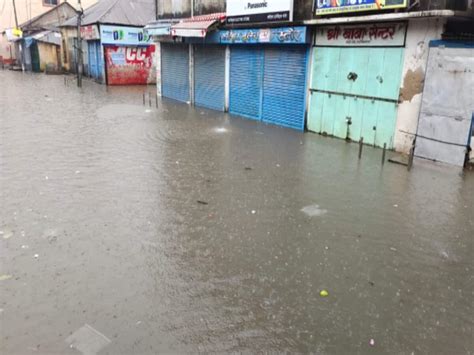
(179, 229)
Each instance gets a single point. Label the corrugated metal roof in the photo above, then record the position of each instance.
(118, 12)
(40, 16)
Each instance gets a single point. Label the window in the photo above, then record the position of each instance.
(50, 2)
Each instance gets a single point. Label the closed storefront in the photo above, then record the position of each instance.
(268, 81)
(356, 73)
(209, 76)
(446, 120)
(175, 71)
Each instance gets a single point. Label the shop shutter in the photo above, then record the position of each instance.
(362, 107)
(246, 71)
(209, 76)
(93, 50)
(175, 71)
(284, 83)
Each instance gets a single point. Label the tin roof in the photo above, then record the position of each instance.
(118, 12)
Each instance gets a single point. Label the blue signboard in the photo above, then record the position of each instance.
(281, 35)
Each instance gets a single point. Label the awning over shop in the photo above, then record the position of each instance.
(197, 26)
(158, 28)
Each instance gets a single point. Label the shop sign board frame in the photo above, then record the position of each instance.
(124, 36)
(90, 32)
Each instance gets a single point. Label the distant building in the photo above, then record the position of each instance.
(41, 40)
(115, 50)
(26, 10)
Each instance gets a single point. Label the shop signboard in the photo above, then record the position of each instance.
(122, 35)
(328, 7)
(89, 32)
(259, 11)
(368, 35)
(282, 35)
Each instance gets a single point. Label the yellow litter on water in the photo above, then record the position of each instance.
(5, 277)
(324, 293)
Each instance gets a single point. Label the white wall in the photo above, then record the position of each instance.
(420, 33)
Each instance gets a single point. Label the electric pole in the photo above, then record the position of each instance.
(20, 45)
(79, 45)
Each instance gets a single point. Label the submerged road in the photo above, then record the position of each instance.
(128, 229)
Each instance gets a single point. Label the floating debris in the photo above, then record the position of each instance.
(87, 340)
(324, 293)
(202, 202)
(371, 342)
(7, 234)
(313, 210)
(5, 277)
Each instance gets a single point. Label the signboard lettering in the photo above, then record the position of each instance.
(286, 35)
(386, 35)
(327, 7)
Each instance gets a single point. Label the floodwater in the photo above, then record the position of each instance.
(129, 229)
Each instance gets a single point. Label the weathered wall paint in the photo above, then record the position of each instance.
(166, 9)
(203, 7)
(48, 56)
(420, 33)
(67, 49)
(130, 65)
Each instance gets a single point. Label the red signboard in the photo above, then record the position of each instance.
(130, 65)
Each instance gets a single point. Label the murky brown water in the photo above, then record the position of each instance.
(104, 192)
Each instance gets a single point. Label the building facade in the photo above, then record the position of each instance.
(25, 14)
(115, 49)
(351, 70)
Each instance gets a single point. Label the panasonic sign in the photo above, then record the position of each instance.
(247, 11)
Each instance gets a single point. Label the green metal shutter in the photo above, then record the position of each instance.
(175, 71)
(209, 76)
(365, 106)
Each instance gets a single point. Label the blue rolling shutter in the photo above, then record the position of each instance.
(209, 76)
(93, 56)
(284, 87)
(246, 71)
(175, 71)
